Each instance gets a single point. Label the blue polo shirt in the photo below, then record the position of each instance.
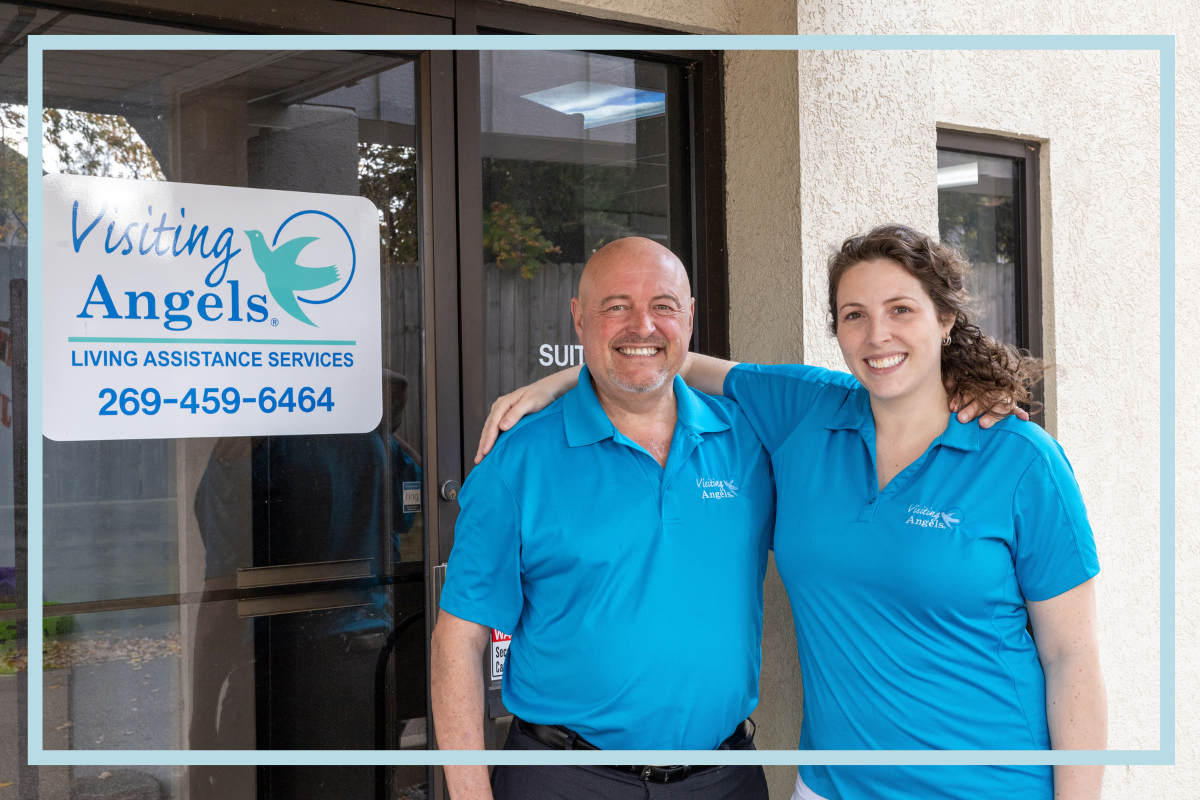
(633, 592)
(909, 603)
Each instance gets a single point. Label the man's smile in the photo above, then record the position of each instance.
(642, 350)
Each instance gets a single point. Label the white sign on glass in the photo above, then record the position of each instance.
(176, 310)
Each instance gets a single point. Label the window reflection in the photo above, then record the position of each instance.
(578, 149)
(976, 208)
(172, 528)
(152, 535)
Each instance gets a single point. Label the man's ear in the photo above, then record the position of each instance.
(577, 317)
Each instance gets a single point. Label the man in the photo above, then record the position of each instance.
(621, 536)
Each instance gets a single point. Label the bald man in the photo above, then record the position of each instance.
(621, 536)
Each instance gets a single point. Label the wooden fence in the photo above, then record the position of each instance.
(528, 332)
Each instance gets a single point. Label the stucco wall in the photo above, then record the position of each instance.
(867, 132)
(867, 154)
(690, 16)
(1125, 402)
(1098, 113)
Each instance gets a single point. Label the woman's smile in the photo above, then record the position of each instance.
(882, 365)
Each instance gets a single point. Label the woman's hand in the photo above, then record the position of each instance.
(508, 409)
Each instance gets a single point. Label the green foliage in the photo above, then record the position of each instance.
(14, 179)
(387, 176)
(515, 241)
(87, 144)
(52, 627)
(99, 144)
(579, 207)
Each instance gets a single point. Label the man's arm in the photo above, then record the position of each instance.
(1065, 631)
(457, 685)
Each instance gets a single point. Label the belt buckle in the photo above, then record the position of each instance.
(669, 774)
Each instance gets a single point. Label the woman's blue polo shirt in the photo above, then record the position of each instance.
(909, 603)
(633, 592)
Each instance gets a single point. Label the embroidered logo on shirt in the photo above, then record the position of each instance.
(926, 517)
(716, 489)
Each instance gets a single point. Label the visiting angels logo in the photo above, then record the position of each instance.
(926, 517)
(328, 257)
(717, 489)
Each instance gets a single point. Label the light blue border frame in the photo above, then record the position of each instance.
(1164, 45)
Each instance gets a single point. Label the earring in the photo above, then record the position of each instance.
(946, 341)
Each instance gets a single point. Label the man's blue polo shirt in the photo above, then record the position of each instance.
(909, 603)
(633, 593)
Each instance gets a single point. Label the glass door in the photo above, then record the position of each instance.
(577, 149)
(251, 592)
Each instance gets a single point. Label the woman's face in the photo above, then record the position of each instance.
(888, 330)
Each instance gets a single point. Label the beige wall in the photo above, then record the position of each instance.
(867, 128)
(691, 16)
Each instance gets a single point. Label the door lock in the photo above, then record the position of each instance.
(449, 490)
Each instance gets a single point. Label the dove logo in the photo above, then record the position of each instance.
(926, 517)
(310, 261)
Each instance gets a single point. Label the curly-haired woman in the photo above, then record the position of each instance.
(919, 553)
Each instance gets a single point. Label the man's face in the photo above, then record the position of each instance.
(634, 316)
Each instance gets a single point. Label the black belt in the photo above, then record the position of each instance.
(562, 738)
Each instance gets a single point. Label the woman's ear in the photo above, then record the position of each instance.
(947, 326)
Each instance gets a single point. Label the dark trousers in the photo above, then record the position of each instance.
(604, 783)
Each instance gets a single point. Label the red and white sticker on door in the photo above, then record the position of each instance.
(500, 642)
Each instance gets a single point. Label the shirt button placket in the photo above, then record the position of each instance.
(868, 511)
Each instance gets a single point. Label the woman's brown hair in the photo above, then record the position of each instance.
(979, 366)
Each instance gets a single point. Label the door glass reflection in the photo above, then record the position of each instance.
(276, 583)
(578, 149)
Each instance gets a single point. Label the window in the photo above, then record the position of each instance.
(988, 209)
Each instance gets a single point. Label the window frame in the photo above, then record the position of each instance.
(1027, 153)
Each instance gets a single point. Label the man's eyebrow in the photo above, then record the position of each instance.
(612, 297)
(663, 296)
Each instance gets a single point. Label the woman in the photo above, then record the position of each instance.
(916, 549)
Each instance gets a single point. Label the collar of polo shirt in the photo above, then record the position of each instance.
(586, 422)
(855, 414)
